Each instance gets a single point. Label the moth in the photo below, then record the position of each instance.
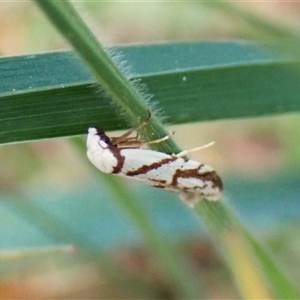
(123, 156)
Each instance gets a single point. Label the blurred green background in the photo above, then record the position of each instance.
(51, 204)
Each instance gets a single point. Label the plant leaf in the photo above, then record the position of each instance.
(53, 94)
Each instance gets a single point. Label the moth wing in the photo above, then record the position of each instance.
(152, 167)
(137, 158)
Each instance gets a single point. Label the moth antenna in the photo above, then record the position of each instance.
(186, 152)
(158, 140)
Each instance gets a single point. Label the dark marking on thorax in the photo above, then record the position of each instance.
(120, 159)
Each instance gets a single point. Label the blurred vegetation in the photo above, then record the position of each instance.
(49, 196)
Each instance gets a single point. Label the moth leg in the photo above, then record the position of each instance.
(124, 137)
(158, 140)
(186, 152)
(135, 143)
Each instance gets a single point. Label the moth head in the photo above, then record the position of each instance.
(96, 138)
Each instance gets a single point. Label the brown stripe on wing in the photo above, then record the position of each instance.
(146, 168)
(211, 176)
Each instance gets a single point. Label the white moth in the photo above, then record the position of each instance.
(191, 179)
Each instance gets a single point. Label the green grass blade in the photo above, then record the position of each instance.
(66, 19)
(112, 80)
(53, 94)
(250, 264)
(116, 85)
